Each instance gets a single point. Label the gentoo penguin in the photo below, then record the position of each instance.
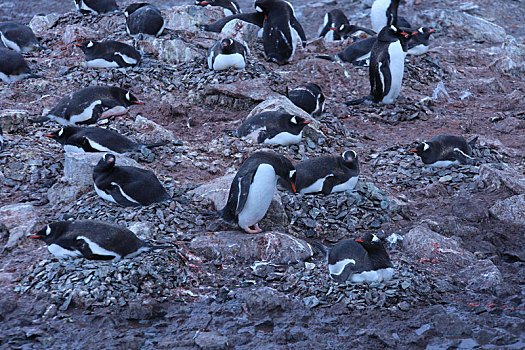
(18, 37)
(419, 42)
(446, 150)
(96, 6)
(256, 18)
(273, 128)
(144, 18)
(87, 105)
(227, 53)
(126, 185)
(280, 30)
(387, 64)
(359, 260)
(231, 7)
(1, 140)
(253, 187)
(336, 27)
(328, 174)
(13, 67)
(81, 140)
(109, 54)
(308, 97)
(384, 14)
(357, 53)
(94, 240)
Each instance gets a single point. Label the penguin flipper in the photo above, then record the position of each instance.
(41, 119)
(366, 100)
(83, 248)
(114, 192)
(328, 185)
(473, 141)
(327, 57)
(324, 31)
(244, 186)
(462, 157)
(297, 26)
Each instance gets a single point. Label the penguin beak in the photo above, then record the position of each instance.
(49, 135)
(205, 3)
(414, 33)
(139, 103)
(432, 31)
(413, 150)
(77, 44)
(33, 236)
(293, 187)
(333, 28)
(307, 122)
(359, 240)
(405, 34)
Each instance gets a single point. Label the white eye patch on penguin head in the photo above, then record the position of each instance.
(60, 132)
(293, 120)
(393, 28)
(128, 96)
(90, 44)
(375, 238)
(425, 146)
(258, 9)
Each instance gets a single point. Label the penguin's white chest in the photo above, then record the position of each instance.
(222, 62)
(346, 186)
(259, 196)
(397, 67)
(284, 138)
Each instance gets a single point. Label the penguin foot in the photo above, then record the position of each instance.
(118, 110)
(256, 229)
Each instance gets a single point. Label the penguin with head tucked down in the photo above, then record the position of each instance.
(253, 187)
(94, 240)
(419, 42)
(227, 53)
(96, 6)
(231, 7)
(308, 97)
(109, 54)
(281, 30)
(336, 27)
(18, 37)
(446, 150)
(13, 67)
(143, 18)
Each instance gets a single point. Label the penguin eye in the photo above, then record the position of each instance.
(393, 28)
(258, 9)
(90, 44)
(426, 146)
(48, 230)
(128, 96)
(60, 132)
(375, 238)
(126, 14)
(293, 120)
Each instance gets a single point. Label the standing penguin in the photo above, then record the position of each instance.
(419, 42)
(359, 260)
(18, 37)
(446, 150)
(143, 18)
(81, 140)
(109, 54)
(384, 14)
(253, 187)
(126, 185)
(273, 128)
(227, 53)
(13, 67)
(231, 7)
(280, 30)
(94, 240)
(387, 64)
(87, 105)
(96, 6)
(308, 97)
(328, 174)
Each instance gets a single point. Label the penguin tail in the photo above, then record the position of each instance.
(473, 141)
(210, 213)
(327, 57)
(40, 120)
(367, 100)
(33, 75)
(156, 144)
(321, 248)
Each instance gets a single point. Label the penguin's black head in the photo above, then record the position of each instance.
(392, 33)
(204, 2)
(284, 169)
(297, 123)
(63, 134)
(87, 45)
(423, 32)
(342, 30)
(106, 163)
(127, 98)
(261, 6)
(376, 251)
(227, 45)
(422, 149)
(134, 7)
(51, 232)
(350, 159)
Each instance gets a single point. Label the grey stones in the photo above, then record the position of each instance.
(150, 132)
(241, 31)
(191, 17)
(211, 340)
(12, 120)
(171, 50)
(41, 24)
(511, 210)
(20, 219)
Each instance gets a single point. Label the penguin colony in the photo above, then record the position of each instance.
(252, 189)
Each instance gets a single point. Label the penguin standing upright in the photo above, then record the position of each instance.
(231, 7)
(273, 128)
(18, 37)
(419, 42)
(227, 53)
(387, 64)
(144, 18)
(280, 30)
(109, 54)
(253, 187)
(96, 6)
(13, 67)
(94, 240)
(81, 140)
(446, 150)
(384, 14)
(328, 174)
(87, 105)
(309, 97)
(126, 185)
(359, 260)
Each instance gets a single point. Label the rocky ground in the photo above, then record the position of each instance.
(456, 236)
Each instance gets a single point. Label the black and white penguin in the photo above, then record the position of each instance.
(90, 104)
(227, 53)
(387, 64)
(81, 140)
(360, 260)
(419, 42)
(94, 240)
(357, 53)
(231, 7)
(126, 185)
(256, 18)
(446, 150)
(328, 174)
(144, 18)
(333, 23)
(253, 187)
(96, 6)
(109, 54)
(18, 37)
(273, 128)
(384, 14)
(281, 30)
(309, 97)
(13, 67)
